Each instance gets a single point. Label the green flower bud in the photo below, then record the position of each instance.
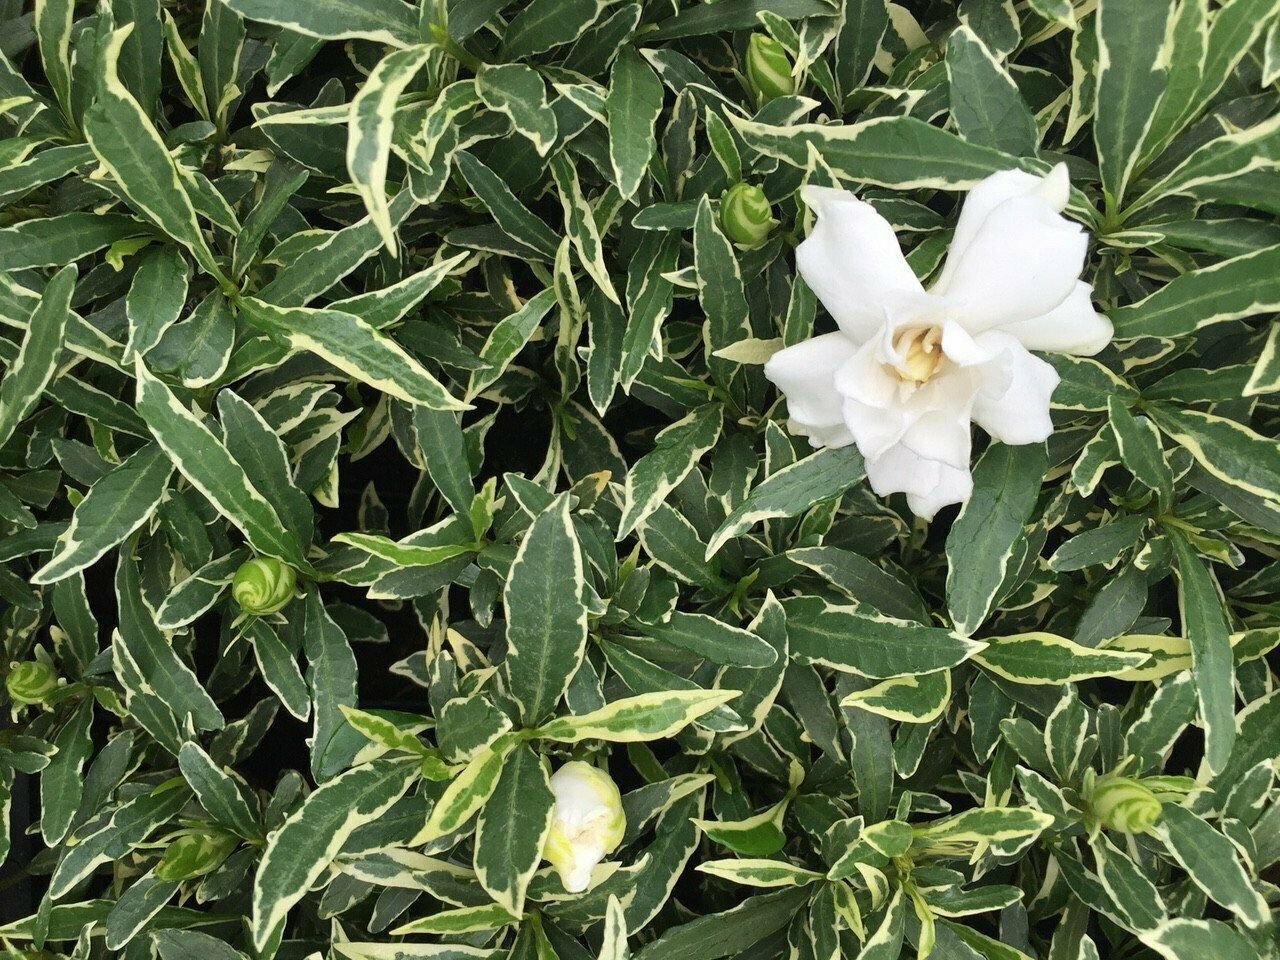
(1124, 804)
(31, 682)
(194, 855)
(745, 215)
(769, 67)
(263, 585)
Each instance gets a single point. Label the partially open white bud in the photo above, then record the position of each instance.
(587, 823)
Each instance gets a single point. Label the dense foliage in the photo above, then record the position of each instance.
(382, 426)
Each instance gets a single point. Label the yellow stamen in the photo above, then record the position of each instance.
(920, 352)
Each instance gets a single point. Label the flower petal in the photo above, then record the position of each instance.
(867, 376)
(920, 444)
(930, 464)
(1054, 187)
(960, 348)
(852, 262)
(1021, 264)
(805, 374)
(1012, 401)
(1073, 326)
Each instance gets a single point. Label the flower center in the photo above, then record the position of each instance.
(919, 350)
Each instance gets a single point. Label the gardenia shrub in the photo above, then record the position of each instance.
(499, 480)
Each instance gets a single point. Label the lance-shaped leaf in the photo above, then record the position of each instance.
(47, 166)
(1045, 658)
(283, 179)
(306, 844)
(404, 554)
(676, 449)
(1212, 862)
(1204, 621)
(53, 26)
(580, 224)
(985, 102)
(1265, 376)
(720, 291)
(508, 338)
(1232, 155)
(518, 91)
(983, 541)
(381, 308)
(200, 591)
(1228, 450)
(649, 297)
(713, 640)
(62, 781)
(850, 639)
(514, 219)
(262, 454)
(983, 825)
(1139, 444)
(632, 108)
(760, 873)
(227, 798)
(1131, 80)
(156, 298)
(184, 944)
(912, 699)
(512, 829)
(1205, 51)
(649, 716)
(444, 452)
(318, 268)
(331, 674)
(55, 241)
(131, 150)
(145, 705)
(733, 931)
(90, 846)
(467, 792)
(384, 21)
(220, 49)
(821, 476)
(903, 152)
(1132, 895)
(115, 506)
(546, 613)
(1187, 939)
(370, 131)
(1243, 286)
(37, 359)
(209, 466)
(489, 916)
(165, 674)
(757, 836)
(355, 348)
(540, 25)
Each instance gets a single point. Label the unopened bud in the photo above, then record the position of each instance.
(1125, 805)
(30, 682)
(263, 585)
(745, 215)
(769, 67)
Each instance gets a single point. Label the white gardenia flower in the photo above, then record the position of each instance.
(587, 823)
(910, 368)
